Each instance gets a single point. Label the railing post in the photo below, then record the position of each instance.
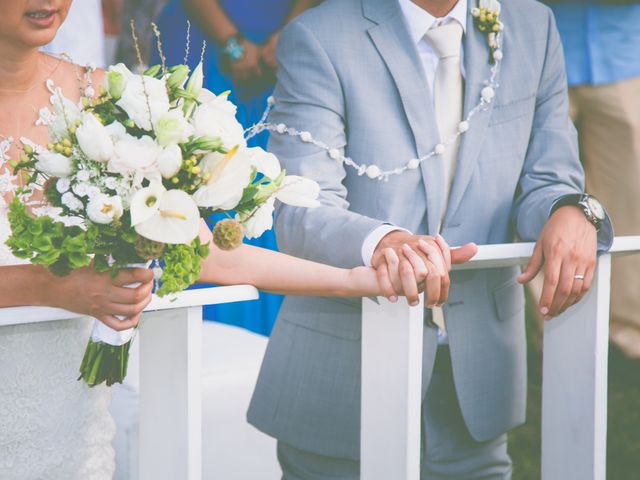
(574, 395)
(171, 395)
(391, 390)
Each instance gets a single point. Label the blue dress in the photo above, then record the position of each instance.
(257, 20)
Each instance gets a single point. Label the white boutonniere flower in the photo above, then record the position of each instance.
(487, 16)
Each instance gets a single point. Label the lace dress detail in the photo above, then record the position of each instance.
(51, 425)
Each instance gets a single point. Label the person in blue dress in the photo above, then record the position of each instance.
(241, 36)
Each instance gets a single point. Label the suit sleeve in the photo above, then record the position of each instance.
(552, 167)
(309, 97)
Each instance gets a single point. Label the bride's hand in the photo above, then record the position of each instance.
(99, 295)
(363, 282)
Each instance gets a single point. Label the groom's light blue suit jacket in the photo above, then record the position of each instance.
(350, 74)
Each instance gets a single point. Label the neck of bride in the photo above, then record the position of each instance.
(437, 8)
(18, 67)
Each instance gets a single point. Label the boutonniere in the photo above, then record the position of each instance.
(487, 16)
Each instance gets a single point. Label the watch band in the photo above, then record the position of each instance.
(579, 200)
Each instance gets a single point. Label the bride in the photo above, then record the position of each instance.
(52, 426)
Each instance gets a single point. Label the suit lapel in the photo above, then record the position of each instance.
(477, 70)
(400, 54)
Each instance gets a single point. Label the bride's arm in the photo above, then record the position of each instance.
(83, 291)
(279, 273)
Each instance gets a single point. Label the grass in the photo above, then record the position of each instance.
(623, 439)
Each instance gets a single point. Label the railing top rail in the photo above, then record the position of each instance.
(513, 254)
(189, 298)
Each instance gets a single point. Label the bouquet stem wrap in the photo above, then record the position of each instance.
(107, 355)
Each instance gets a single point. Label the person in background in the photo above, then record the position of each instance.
(142, 12)
(81, 36)
(241, 37)
(601, 40)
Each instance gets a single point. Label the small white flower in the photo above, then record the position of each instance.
(170, 161)
(104, 209)
(72, 202)
(54, 164)
(111, 183)
(81, 189)
(475, 11)
(281, 128)
(497, 55)
(440, 148)
(83, 175)
(63, 185)
(334, 153)
(306, 137)
(94, 139)
(260, 221)
(463, 126)
(271, 101)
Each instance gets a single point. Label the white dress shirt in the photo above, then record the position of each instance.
(419, 21)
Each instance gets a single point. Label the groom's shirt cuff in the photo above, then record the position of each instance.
(373, 239)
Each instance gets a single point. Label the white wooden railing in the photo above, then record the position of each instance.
(574, 393)
(574, 378)
(170, 377)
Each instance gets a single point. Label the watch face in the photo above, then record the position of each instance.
(596, 208)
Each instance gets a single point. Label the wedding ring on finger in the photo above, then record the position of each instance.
(578, 277)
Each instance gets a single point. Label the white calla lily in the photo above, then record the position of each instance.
(177, 219)
(299, 192)
(265, 162)
(228, 176)
(145, 203)
(94, 139)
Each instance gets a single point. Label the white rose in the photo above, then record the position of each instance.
(217, 118)
(81, 189)
(72, 202)
(172, 127)
(131, 154)
(170, 161)
(54, 164)
(83, 175)
(260, 221)
(104, 209)
(145, 100)
(94, 139)
(66, 114)
(299, 192)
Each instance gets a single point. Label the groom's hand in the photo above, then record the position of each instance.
(567, 250)
(408, 264)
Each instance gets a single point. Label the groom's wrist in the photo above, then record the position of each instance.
(372, 241)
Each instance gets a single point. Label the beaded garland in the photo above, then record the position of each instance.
(488, 13)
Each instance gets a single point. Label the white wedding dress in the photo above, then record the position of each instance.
(51, 425)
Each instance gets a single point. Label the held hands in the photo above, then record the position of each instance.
(566, 250)
(408, 264)
(257, 61)
(103, 297)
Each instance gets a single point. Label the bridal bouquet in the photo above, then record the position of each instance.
(127, 179)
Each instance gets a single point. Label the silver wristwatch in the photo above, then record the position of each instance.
(593, 210)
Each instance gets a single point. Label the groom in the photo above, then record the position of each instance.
(384, 82)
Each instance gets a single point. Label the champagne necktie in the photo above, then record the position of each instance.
(448, 99)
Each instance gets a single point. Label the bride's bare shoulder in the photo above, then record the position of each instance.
(72, 77)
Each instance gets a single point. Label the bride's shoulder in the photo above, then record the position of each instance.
(71, 76)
